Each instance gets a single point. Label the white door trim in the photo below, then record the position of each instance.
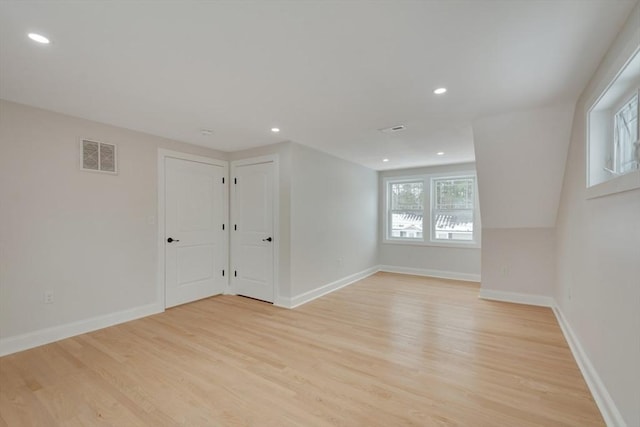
(273, 158)
(162, 155)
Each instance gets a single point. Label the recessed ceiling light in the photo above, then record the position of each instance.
(385, 160)
(206, 132)
(275, 130)
(440, 90)
(38, 38)
(440, 153)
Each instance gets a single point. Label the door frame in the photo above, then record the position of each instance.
(271, 158)
(162, 155)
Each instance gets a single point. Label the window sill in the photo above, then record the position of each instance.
(458, 245)
(619, 184)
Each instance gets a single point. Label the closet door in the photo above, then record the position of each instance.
(195, 239)
(253, 238)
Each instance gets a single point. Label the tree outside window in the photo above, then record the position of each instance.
(407, 209)
(453, 207)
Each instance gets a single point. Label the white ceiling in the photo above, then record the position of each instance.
(329, 74)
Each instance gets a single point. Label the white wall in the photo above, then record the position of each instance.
(520, 159)
(91, 238)
(452, 262)
(328, 220)
(88, 237)
(598, 274)
(334, 219)
(518, 260)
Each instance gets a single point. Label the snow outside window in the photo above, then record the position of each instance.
(406, 200)
(452, 212)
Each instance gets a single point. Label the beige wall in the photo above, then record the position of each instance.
(88, 237)
(598, 275)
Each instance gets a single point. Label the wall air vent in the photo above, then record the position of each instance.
(98, 156)
(392, 129)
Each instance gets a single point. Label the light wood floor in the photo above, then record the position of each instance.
(390, 350)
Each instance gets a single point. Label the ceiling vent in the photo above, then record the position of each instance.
(392, 129)
(98, 157)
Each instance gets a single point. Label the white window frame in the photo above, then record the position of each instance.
(427, 224)
(432, 224)
(600, 144)
(635, 92)
(387, 186)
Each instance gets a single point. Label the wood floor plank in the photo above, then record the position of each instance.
(389, 350)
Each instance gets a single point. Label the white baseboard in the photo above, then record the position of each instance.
(298, 300)
(606, 405)
(304, 298)
(610, 412)
(608, 408)
(284, 302)
(517, 298)
(29, 340)
(468, 277)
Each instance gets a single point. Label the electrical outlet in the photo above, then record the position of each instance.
(48, 297)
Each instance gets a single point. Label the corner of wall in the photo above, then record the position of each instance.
(519, 263)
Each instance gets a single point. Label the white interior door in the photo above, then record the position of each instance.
(195, 239)
(252, 252)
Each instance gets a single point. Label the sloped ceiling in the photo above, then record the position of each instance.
(520, 160)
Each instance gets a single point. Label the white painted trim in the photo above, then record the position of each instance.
(283, 302)
(306, 297)
(469, 277)
(275, 159)
(255, 160)
(607, 406)
(427, 180)
(162, 155)
(619, 184)
(45, 336)
(517, 298)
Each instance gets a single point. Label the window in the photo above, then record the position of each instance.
(625, 137)
(613, 161)
(432, 210)
(407, 209)
(452, 208)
